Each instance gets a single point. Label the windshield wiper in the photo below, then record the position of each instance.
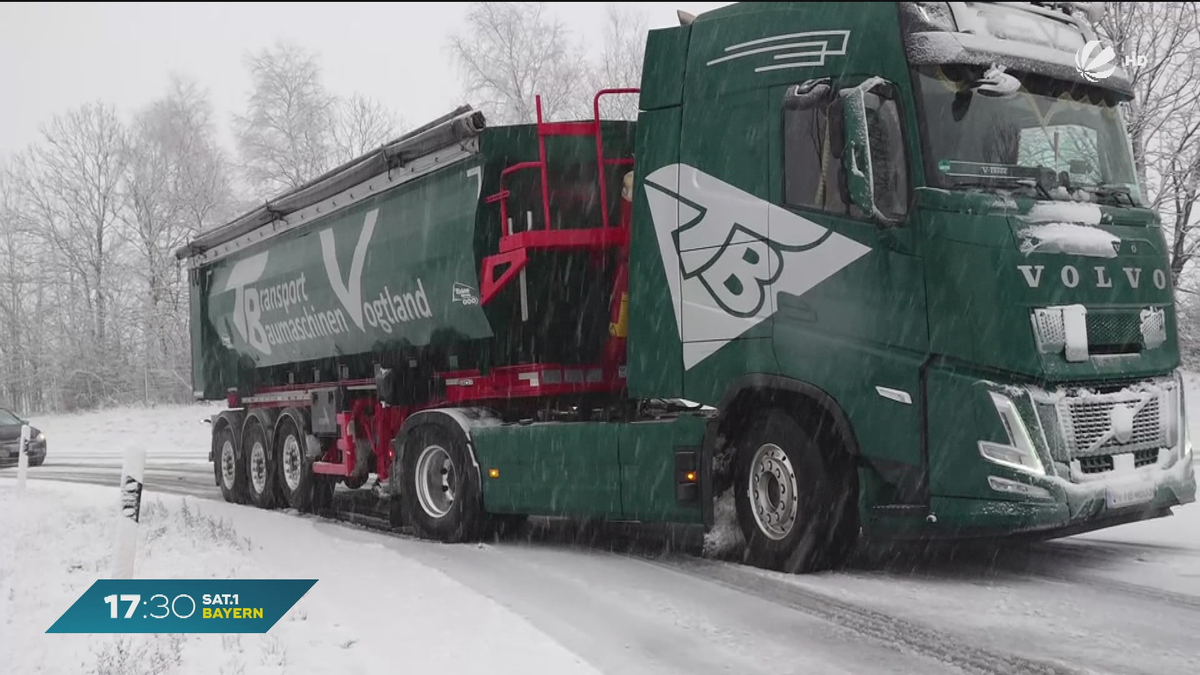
(1111, 191)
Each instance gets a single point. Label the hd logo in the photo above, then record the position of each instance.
(728, 254)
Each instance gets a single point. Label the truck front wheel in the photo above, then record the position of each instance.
(785, 496)
(231, 470)
(441, 496)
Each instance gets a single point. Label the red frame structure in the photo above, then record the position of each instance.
(378, 424)
(514, 248)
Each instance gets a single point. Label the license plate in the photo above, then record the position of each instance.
(1128, 496)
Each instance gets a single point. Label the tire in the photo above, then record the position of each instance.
(37, 462)
(295, 476)
(788, 501)
(441, 494)
(229, 467)
(261, 469)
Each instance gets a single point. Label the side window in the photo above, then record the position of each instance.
(889, 162)
(812, 149)
(813, 144)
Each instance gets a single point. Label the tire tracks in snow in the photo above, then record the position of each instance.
(1103, 584)
(906, 636)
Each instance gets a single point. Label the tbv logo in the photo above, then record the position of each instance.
(1095, 62)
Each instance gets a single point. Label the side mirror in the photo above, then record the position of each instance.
(857, 156)
(856, 159)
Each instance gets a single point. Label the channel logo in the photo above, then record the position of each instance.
(1095, 66)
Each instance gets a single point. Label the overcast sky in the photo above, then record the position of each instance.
(54, 56)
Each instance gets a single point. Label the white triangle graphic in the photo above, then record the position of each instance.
(728, 254)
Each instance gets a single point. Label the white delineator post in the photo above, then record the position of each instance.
(23, 456)
(131, 510)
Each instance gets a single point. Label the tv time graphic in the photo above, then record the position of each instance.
(1095, 61)
(182, 606)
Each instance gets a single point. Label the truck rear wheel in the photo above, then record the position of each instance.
(230, 469)
(441, 496)
(261, 467)
(787, 498)
(295, 470)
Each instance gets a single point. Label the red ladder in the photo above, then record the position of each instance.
(514, 248)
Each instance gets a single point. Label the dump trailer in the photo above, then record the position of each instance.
(881, 270)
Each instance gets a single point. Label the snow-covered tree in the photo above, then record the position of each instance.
(511, 52)
(285, 135)
(176, 185)
(620, 62)
(362, 124)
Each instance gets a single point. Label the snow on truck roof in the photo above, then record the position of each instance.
(1046, 38)
(452, 128)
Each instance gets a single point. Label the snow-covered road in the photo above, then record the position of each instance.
(1124, 600)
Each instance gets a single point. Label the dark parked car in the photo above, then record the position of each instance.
(10, 440)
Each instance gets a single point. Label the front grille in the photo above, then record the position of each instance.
(1091, 424)
(1114, 332)
(1102, 463)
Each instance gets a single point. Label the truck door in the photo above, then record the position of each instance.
(850, 293)
(710, 212)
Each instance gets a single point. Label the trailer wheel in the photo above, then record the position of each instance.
(261, 467)
(786, 497)
(441, 493)
(231, 471)
(295, 470)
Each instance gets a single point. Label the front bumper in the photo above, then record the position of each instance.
(1018, 460)
(9, 453)
(1072, 509)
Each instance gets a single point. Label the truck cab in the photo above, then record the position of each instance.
(918, 227)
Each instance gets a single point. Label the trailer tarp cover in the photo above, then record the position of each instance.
(454, 127)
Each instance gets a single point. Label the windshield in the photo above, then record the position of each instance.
(1048, 139)
(7, 418)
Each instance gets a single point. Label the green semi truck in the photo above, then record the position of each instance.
(881, 270)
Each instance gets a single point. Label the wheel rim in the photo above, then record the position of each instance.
(435, 478)
(228, 465)
(292, 462)
(258, 467)
(774, 495)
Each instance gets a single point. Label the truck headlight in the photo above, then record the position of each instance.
(40, 438)
(1020, 453)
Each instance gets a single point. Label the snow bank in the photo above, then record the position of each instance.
(167, 432)
(370, 609)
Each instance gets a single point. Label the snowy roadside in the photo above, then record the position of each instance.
(56, 543)
(169, 433)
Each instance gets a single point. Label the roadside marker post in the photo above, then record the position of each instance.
(132, 473)
(23, 456)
